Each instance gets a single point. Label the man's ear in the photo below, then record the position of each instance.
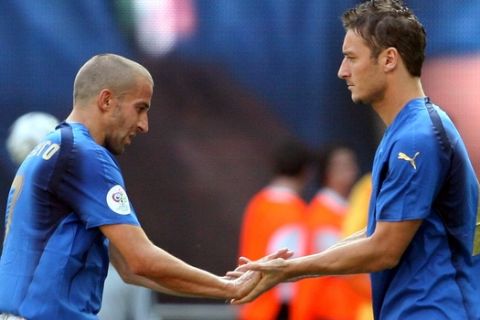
(104, 100)
(390, 59)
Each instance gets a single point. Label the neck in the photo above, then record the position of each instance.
(80, 115)
(340, 189)
(291, 183)
(396, 97)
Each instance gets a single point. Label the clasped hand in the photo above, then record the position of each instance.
(260, 275)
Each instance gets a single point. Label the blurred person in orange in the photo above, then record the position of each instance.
(329, 298)
(274, 218)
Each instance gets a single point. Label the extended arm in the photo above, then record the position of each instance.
(362, 234)
(141, 262)
(131, 278)
(382, 250)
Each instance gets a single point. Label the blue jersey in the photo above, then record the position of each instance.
(422, 171)
(55, 258)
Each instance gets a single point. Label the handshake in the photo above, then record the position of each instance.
(252, 278)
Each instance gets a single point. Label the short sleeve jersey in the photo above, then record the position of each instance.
(421, 171)
(55, 258)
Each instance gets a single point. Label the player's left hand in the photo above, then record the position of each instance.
(243, 261)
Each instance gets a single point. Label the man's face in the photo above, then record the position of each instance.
(363, 74)
(129, 116)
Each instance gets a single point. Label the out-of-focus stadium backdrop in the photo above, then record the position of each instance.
(232, 78)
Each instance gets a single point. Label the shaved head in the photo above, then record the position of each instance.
(106, 71)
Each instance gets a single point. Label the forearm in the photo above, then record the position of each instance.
(353, 237)
(169, 274)
(346, 241)
(382, 250)
(350, 257)
(150, 284)
(145, 263)
(129, 277)
(149, 266)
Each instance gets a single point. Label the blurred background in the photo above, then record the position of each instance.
(232, 79)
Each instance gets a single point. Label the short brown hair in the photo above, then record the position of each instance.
(388, 23)
(107, 71)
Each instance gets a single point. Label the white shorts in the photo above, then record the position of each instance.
(6, 316)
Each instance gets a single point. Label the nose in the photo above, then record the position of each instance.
(143, 123)
(343, 70)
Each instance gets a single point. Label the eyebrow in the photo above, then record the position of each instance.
(144, 105)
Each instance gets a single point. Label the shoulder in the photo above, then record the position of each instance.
(85, 155)
(416, 133)
(85, 146)
(82, 140)
(416, 140)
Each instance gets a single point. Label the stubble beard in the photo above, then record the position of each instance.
(114, 148)
(371, 99)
